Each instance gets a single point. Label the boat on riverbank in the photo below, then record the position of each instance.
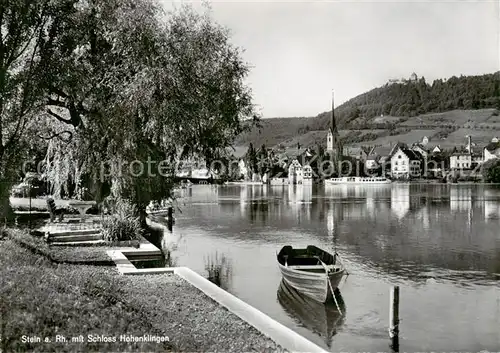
(357, 180)
(322, 319)
(312, 271)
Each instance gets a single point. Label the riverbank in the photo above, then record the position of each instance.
(40, 299)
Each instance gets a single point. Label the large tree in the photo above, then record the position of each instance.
(27, 31)
(129, 85)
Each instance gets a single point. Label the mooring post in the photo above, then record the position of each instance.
(394, 319)
(170, 217)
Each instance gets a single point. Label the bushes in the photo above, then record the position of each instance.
(491, 171)
(124, 224)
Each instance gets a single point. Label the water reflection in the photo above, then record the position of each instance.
(491, 207)
(412, 235)
(400, 200)
(460, 198)
(322, 319)
(219, 270)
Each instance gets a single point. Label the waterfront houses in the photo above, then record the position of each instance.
(461, 160)
(405, 163)
(300, 172)
(491, 151)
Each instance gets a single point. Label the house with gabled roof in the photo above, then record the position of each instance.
(491, 151)
(357, 152)
(300, 171)
(406, 163)
(372, 162)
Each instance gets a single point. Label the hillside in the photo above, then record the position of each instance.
(446, 109)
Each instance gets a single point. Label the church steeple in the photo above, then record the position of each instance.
(334, 145)
(333, 126)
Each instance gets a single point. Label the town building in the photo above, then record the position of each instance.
(300, 172)
(491, 151)
(406, 164)
(461, 160)
(372, 163)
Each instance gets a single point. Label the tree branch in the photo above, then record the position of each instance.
(58, 117)
(58, 135)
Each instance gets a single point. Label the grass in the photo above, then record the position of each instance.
(75, 255)
(38, 298)
(43, 299)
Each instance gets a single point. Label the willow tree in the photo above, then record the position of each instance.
(27, 32)
(137, 87)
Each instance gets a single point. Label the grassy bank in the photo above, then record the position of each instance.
(43, 299)
(70, 255)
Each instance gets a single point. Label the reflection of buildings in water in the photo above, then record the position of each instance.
(300, 193)
(370, 206)
(491, 205)
(460, 198)
(243, 199)
(334, 218)
(423, 216)
(300, 199)
(400, 200)
(491, 210)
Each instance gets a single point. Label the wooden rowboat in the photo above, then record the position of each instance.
(311, 271)
(324, 319)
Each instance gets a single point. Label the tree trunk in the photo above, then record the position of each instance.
(6, 213)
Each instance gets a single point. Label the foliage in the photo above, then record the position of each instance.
(112, 82)
(123, 224)
(402, 101)
(415, 98)
(491, 171)
(251, 160)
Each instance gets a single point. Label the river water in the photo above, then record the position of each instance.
(439, 243)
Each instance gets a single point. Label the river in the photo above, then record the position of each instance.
(439, 243)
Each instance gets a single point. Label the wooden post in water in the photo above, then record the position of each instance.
(170, 217)
(394, 319)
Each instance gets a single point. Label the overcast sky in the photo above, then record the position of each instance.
(301, 50)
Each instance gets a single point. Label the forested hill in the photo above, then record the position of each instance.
(416, 98)
(396, 101)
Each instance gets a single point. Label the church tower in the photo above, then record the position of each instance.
(333, 143)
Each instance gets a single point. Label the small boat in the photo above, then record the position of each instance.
(322, 319)
(311, 271)
(155, 209)
(357, 180)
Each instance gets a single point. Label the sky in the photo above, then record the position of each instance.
(300, 51)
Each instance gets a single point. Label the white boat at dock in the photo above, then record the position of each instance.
(357, 180)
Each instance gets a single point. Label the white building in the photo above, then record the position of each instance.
(491, 151)
(243, 170)
(461, 160)
(279, 181)
(436, 149)
(372, 162)
(405, 164)
(299, 173)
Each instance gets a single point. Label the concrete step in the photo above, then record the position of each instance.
(79, 243)
(73, 238)
(68, 232)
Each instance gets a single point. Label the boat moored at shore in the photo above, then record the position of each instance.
(311, 271)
